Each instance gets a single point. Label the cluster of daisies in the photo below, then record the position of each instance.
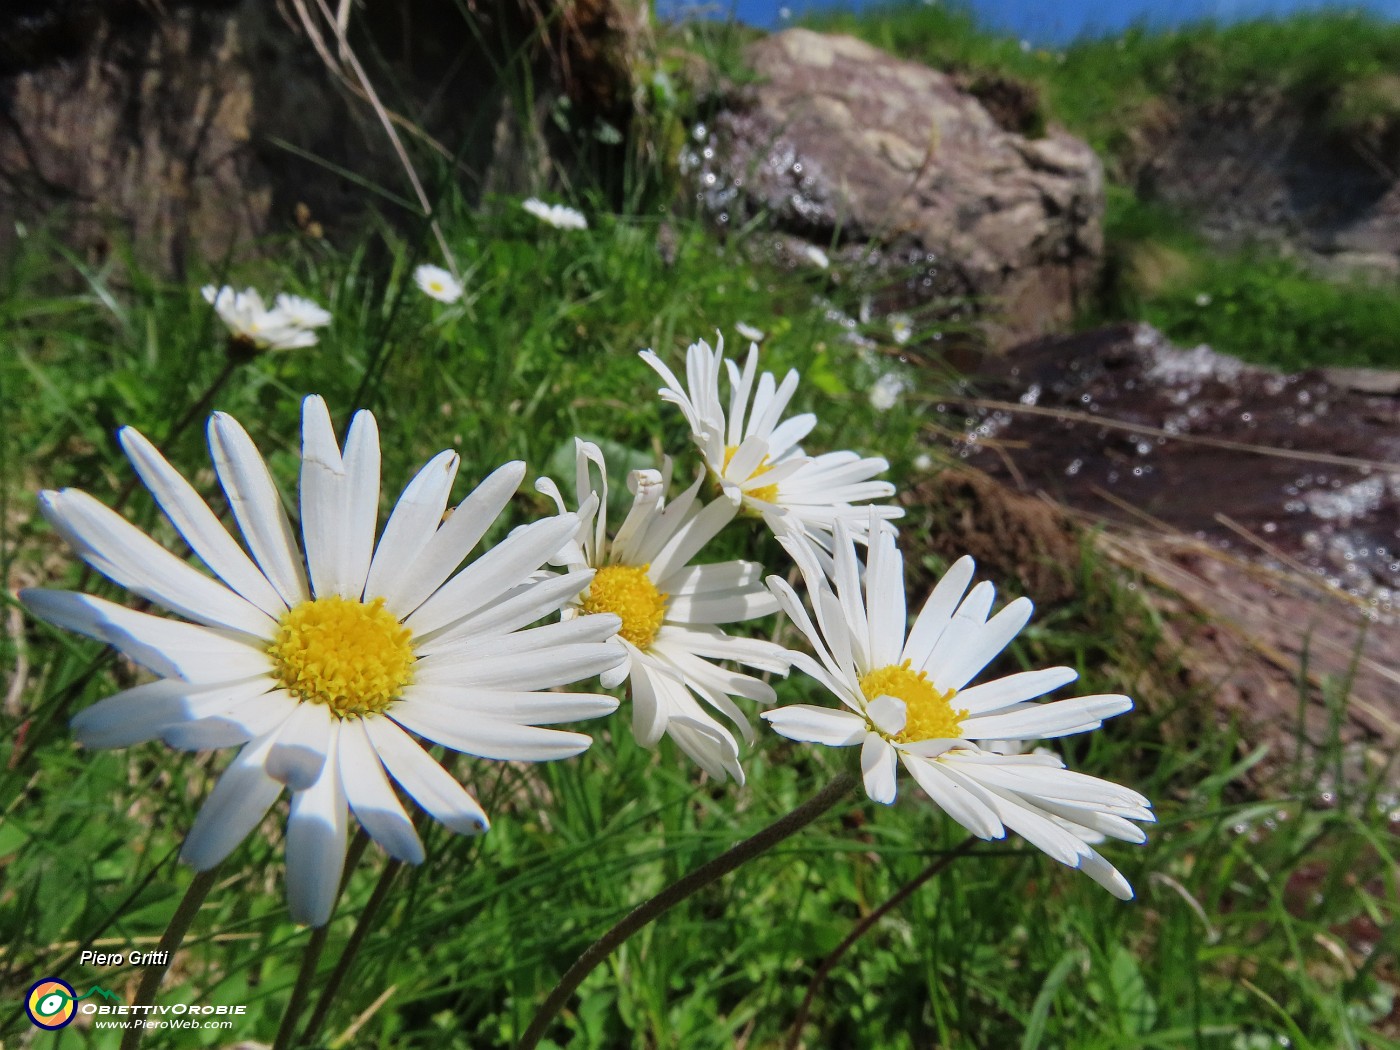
(334, 653)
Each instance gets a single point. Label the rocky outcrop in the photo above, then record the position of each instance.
(838, 141)
(1265, 503)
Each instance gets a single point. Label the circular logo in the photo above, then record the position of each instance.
(50, 1003)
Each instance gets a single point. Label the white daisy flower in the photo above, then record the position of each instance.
(289, 326)
(325, 666)
(671, 611)
(886, 391)
(909, 703)
(901, 328)
(754, 454)
(437, 283)
(559, 216)
(300, 312)
(749, 332)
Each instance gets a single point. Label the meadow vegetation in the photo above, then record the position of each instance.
(1265, 914)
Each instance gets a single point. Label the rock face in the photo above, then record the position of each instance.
(839, 140)
(1267, 170)
(1268, 502)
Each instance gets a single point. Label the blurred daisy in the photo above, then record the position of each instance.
(754, 453)
(749, 332)
(670, 611)
(437, 283)
(556, 215)
(908, 702)
(322, 665)
(885, 392)
(290, 325)
(901, 328)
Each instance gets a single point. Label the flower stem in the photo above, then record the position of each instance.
(311, 954)
(678, 891)
(899, 896)
(170, 942)
(352, 948)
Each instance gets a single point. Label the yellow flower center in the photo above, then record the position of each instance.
(929, 714)
(627, 592)
(353, 656)
(436, 286)
(767, 493)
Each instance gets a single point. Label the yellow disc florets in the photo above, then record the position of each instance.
(353, 656)
(766, 493)
(929, 714)
(627, 592)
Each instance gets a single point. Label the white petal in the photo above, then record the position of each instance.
(517, 607)
(133, 715)
(961, 667)
(1106, 875)
(650, 712)
(441, 555)
(730, 607)
(526, 708)
(817, 725)
(431, 786)
(198, 524)
(877, 766)
(235, 807)
(962, 631)
(169, 648)
(544, 669)
(126, 555)
(465, 653)
(371, 796)
(884, 596)
(888, 713)
(1045, 721)
(966, 804)
(361, 498)
(709, 745)
(503, 566)
(299, 750)
(414, 520)
(475, 734)
(316, 833)
(244, 720)
(1013, 689)
(257, 507)
(323, 484)
(691, 537)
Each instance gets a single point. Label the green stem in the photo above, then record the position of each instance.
(678, 891)
(311, 955)
(861, 928)
(352, 948)
(170, 942)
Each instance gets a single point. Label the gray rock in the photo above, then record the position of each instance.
(841, 141)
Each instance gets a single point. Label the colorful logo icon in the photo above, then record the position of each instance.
(51, 1003)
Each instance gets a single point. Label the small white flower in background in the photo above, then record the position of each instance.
(923, 461)
(557, 215)
(749, 332)
(300, 312)
(885, 392)
(908, 701)
(816, 256)
(754, 454)
(901, 328)
(437, 283)
(1203, 299)
(290, 325)
(671, 611)
(322, 659)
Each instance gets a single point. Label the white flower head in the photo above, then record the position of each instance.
(886, 391)
(437, 283)
(323, 660)
(901, 328)
(671, 611)
(908, 701)
(290, 325)
(560, 216)
(754, 453)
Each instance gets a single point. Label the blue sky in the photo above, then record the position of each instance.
(1054, 21)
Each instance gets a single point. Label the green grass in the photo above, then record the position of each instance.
(1225, 947)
